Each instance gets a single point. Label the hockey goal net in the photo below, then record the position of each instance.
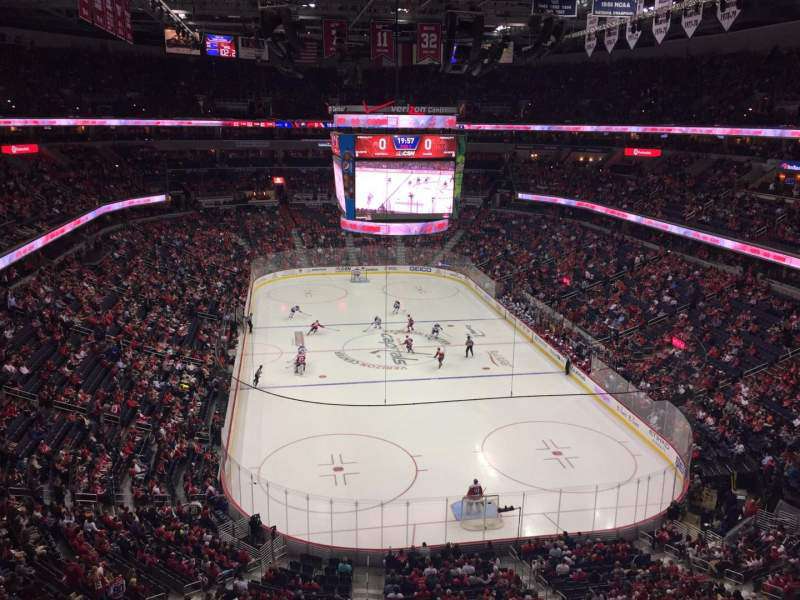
(479, 514)
(358, 275)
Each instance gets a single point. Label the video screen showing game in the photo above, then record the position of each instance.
(385, 188)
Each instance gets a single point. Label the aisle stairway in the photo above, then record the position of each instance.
(352, 251)
(297, 240)
(400, 251)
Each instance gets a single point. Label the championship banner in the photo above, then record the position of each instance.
(428, 48)
(99, 13)
(727, 12)
(612, 34)
(111, 24)
(85, 10)
(334, 36)
(381, 40)
(128, 22)
(662, 19)
(590, 43)
(560, 8)
(633, 28)
(690, 19)
(119, 18)
(614, 8)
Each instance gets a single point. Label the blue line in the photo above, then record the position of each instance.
(385, 323)
(307, 385)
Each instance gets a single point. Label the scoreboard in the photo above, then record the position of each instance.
(406, 146)
(402, 177)
(222, 46)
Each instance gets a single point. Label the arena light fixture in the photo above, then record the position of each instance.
(20, 252)
(390, 121)
(760, 252)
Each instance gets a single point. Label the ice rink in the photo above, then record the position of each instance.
(373, 446)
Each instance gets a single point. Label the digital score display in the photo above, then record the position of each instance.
(223, 46)
(406, 146)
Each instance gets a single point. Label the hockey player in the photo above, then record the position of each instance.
(257, 376)
(315, 327)
(439, 356)
(436, 330)
(294, 309)
(301, 349)
(410, 325)
(300, 363)
(376, 323)
(409, 342)
(396, 307)
(468, 345)
(474, 499)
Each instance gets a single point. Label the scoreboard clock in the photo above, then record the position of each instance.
(222, 46)
(406, 146)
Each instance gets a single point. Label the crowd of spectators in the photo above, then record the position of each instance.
(39, 192)
(450, 574)
(116, 359)
(113, 362)
(681, 188)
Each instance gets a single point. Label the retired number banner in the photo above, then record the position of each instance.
(690, 19)
(429, 43)
(381, 40)
(633, 28)
(612, 34)
(662, 19)
(334, 36)
(590, 43)
(727, 12)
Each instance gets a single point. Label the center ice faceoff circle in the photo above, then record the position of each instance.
(551, 455)
(345, 466)
(385, 350)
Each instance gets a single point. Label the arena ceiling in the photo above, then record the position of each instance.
(507, 18)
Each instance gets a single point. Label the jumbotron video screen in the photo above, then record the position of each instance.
(386, 188)
(397, 177)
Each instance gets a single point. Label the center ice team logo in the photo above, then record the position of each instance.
(389, 355)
